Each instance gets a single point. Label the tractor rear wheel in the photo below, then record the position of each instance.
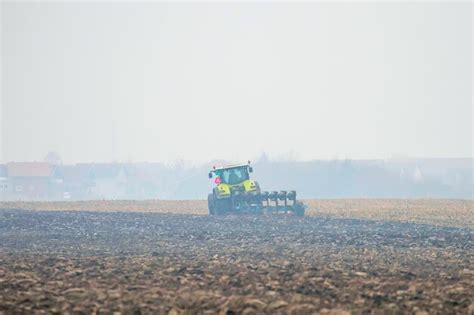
(211, 204)
(222, 206)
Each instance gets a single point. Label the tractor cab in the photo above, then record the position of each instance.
(232, 180)
(231, 175)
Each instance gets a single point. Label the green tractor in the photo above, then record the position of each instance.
(236, 193)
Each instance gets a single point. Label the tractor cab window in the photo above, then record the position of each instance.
(233, 176)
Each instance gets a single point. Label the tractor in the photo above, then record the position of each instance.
(236, 193)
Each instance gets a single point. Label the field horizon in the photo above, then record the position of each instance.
(443, 212)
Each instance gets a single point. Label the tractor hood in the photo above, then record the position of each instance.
(243, 187)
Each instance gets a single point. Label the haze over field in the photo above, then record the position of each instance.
(122, 124)
(161, 82)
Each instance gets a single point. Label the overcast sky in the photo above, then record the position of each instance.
(159, 82)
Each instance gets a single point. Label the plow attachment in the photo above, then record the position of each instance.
(256, 203)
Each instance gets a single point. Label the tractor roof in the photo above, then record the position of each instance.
(229, 166)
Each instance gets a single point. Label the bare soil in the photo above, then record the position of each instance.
(445, 212)
(171, 263)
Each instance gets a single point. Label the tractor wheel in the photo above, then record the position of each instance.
(211, 204)
(222, 206)
(299, 209)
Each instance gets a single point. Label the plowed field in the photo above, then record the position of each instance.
(171, 263)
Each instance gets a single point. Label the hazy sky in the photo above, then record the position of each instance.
(158, 82)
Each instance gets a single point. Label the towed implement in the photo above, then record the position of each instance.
(236, 193)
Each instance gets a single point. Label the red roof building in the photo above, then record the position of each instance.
(29, 169)
(30, 180)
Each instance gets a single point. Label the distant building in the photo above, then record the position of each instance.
(30, 181)
(417, 175)
(144, 180)
(76, 181)
(108, 181)
(4, 183)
